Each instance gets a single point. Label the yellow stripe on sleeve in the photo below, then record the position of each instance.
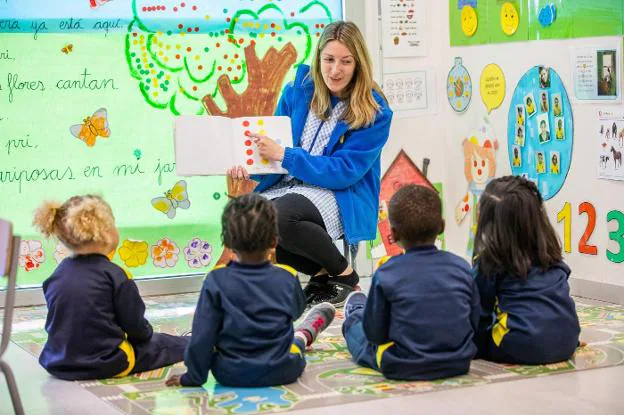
(287, 268)
(380, 351)
(127, 348)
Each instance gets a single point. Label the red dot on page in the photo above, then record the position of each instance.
(249, 152)
(245, 123)
(466, 208)
(247, 133)
(250, 162)
(248, 143)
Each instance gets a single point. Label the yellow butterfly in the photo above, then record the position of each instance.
(92, 127)
(67, 48)
(175, 198)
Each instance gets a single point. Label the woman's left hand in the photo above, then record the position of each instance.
(267, 148)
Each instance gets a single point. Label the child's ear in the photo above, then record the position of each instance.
(395, 235)
(442, 227)
(274, 242)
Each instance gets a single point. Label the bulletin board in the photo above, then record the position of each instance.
(88, 94)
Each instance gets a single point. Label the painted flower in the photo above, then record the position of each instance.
(133, 253)
(165, 253)
(61, 252)
(197, 253)
(31, 255)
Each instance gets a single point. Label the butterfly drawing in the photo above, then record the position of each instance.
(67, 48)
(92, 127)
(175, 198)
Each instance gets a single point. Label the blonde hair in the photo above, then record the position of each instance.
(79, 221)
(361, 107)
(486, 152)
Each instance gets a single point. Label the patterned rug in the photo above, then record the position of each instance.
(330, 377)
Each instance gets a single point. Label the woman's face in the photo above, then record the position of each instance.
(337, 66)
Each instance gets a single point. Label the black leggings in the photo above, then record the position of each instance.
(304, 243)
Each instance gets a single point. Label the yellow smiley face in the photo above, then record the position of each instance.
(469, 20)
(509, 18)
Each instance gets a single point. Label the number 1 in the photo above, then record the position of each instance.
(565, 215)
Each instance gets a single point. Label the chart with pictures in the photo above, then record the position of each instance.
(540, 130)
(406, 91)
(611, 144)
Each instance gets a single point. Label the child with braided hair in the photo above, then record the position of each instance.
(96, 318)
(527, 314)
(243, 324)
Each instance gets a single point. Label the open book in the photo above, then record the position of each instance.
(209, 145)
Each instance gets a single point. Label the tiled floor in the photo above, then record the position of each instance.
(331, 379)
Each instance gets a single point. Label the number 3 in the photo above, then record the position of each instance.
(617, 236)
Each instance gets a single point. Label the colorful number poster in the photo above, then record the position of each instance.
(611, 143)
(404, 30)
(540, 130)
(597, 72)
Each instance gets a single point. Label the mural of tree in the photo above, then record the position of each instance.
(187, 61)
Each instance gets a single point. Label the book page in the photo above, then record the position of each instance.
(202, 145)
(245, 151)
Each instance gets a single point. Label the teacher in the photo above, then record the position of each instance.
(340, 122)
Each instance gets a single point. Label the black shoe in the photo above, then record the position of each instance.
(314, 287)
(335, 294)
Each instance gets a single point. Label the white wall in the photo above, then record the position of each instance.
(439, 137)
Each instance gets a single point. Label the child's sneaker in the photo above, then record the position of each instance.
(318, 319)
(355, 301)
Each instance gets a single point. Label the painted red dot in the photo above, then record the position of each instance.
(194, 7)
(197, 29)
(316, 25)
(144, 8)
(322, 25)
(236, 78)
(225, 56)
(245, 123)
(194, 88)
(134, 34)
(249, 152)
(227, 30)
(247, 133)
(188, 49)
(241, 40)
(200, 67)
(228, 20)
(238, 67)
(482, 163)
(177, 56)
(273, 34)
(180, 26)
(318, 34)
(219, 68)
(466, 208)
(236, 56)
(249, 162)
(292, 14)
(272, 24)
(248, 143)
(175, 9)
(479, 172)
(229, 69)
(164, 8)
(189, 29)
(218, 44)
(182, 4)
(474, 163)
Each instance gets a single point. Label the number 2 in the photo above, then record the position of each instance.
(588, 208)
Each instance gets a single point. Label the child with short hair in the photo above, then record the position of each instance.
(528, 316)
(243, 324)
(423, 306)
(96, 318)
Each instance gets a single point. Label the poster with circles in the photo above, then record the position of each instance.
(459, 87)
(276, 128)
(540, 130)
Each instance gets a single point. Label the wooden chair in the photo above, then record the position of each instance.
(9, 252)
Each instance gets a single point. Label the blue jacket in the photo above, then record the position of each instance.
(530, 321)
(350, 164)
(92, 308)
(422, 311)
(243, 327)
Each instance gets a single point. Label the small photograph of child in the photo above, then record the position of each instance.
(556, 105)
(544, 77)
(517, 156)
(544, 101)
(540, 162)
(543, 128)
(559, 128)
(529, 103)
(519, 140)
(520, 115)
(555, 162)
(607, 73)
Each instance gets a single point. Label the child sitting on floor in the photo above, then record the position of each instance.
(96, 324)
(528, 316)
(423, 306)
(243, 324)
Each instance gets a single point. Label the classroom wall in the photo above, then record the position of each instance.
(439, 136)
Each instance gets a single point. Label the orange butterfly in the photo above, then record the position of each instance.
(92, 127)
(67, 48)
